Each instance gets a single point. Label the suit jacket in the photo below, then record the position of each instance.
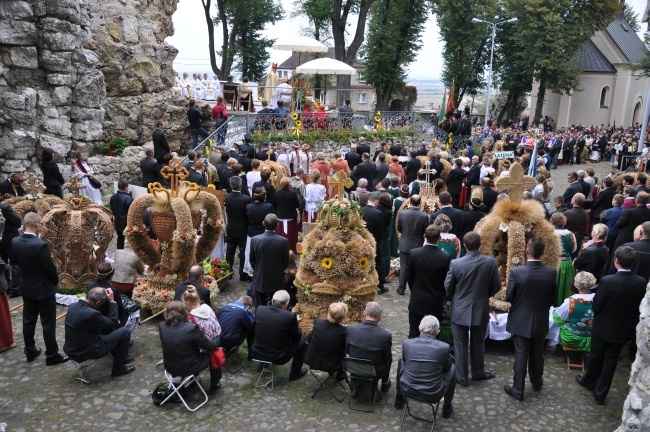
(39, 275)
(84, 326)
(276, 330)
(474, 178)
(122, 314)
(456, 217)
(237, 225)
(326, 346)
(286, 204)
(411, 225)
(573, 189)
(196, 177)
(160, 145)
(52, 178)
(367, 170)
(470, 218)
(181, 346)
(425, 274)
(256, 212)
(374, 222)
(369, 341)
(641, 265)
(425, 360)
(616, 307)
(396, 150)
(269, 256)
(641, 188)
(470, 282)
(489, 198)
(576, 222)
(628, 222)
(593, 260)
(203, 292)
(12, 224)
(120, 204)
(532, 289)
(454, 180)
(150, 171)
(270, 190)
(381, 172)
(603, 201)
(412, 168)
(363, 148)
(586, 188)
(353, 159)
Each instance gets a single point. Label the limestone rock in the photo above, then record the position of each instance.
(15, 10)
(17, 32)
(56, 61)
(61, 95)
(24, 57)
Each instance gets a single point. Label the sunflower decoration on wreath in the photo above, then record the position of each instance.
(35, 200)
(175, 216)
(297, 125)
(377, 120)
(337, 261)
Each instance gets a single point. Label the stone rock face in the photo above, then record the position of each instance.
(636, 410)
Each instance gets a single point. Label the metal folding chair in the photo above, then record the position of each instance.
(184, 383)
(81, 368)
(361, 371)
(265, 369)
(434, 408)
(234, 351)
(323, 383)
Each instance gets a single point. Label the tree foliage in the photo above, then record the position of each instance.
(631, 17)
(393, 42)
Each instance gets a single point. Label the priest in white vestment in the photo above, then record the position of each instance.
(199, 91)
(209, 91)
(178, 85)
(187, 85)
(272, 82)
(285, 88)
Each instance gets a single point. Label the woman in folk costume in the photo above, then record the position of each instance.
(449, 244)
(566, 271)
(6, 331)
(575, 315)
(397, 205)
(84, 172)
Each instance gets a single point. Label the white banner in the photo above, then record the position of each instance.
(504, 155)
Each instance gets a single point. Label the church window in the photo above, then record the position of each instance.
(604, 97)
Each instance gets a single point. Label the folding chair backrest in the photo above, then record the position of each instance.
(359, 367)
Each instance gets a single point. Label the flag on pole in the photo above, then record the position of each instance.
(450, 101)
(441, 115)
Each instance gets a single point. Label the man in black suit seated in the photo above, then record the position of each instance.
(327, 342)
(196, 280)
(366, 169)
(454, 182)
(641, 248)
(237, 226)
(39, 280)
(532, 289)
(150, 168)
(616, 315)
(237, 323)
(425, 274)
(455, 215)
(91, 335)
(277, 337)
(604, 199)
(426, 372)
(573, 188)
(370, 342)
(489, 194)
(269, 257)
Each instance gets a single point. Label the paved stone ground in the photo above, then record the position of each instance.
(39, 398)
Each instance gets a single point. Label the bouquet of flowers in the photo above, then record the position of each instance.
(217, 268)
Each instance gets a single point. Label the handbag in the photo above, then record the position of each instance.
(217, 358)
(95, 183)
(161, 393)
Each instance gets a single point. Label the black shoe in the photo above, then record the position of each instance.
(340, 376)
(214, 388)
(244, 277)
(487, 375)
(580, 381)
(400, 291)
(299, 375)
(129, 359)
(447, 413)
(399, 403)
(14, 294)
(599, 402)
(462, 383)
(383, 290)
(55, 360)
(537, 387)
(385, 386)
(508, 390)
(32, 355)
(124, 370)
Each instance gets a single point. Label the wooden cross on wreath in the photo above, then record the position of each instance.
(516, 183)
(341, 181)
(175, 172)
(74, 185)
(34, 186)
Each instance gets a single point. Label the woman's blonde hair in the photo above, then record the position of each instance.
(191, 296)
(337, 312)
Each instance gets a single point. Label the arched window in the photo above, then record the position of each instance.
(604, 97)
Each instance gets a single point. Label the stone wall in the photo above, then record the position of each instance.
(636, 411)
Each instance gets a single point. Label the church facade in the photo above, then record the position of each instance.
(609, 92)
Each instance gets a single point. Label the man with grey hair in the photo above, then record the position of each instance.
(87, 334)
(583, 184)
(370, 342)
(594, 255)
(269, 257)
(195, 275)
(277, 337)
(641, 266)
(426, 372)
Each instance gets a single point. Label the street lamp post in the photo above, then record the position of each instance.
(489, 85)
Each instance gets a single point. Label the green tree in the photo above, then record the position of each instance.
(550, 33)
(393, 42)
(467, 45)
(631, 17)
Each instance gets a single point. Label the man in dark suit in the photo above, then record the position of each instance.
(160, 145)
(474, 174)
(425, 372)
(604, 199)
(422, 151)
(381, 168)
(454, 182)
(586, 187)
(470, 283)
(412, 167)
(489, 194)
(269, 256)
(641, 266)
(120, 204)
(277, 337)
(580, 146)
(616, 315)
(411, 225)
(396, 149)
(195, 275)
(150, 168)
(12, 224)
(375, 226)
(237, 226)
(593, 257)
(363, 147)
(327, 342)
(426, 272)
(455, 215)
(90, 335)
(370, 342)
(366, 169)
(574, 187)
(576, 220)
(631, 219)
(352, 157)
(640, 183)
(39, 280)
(532, 289)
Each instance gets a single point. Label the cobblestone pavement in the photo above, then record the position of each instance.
(39, 398)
